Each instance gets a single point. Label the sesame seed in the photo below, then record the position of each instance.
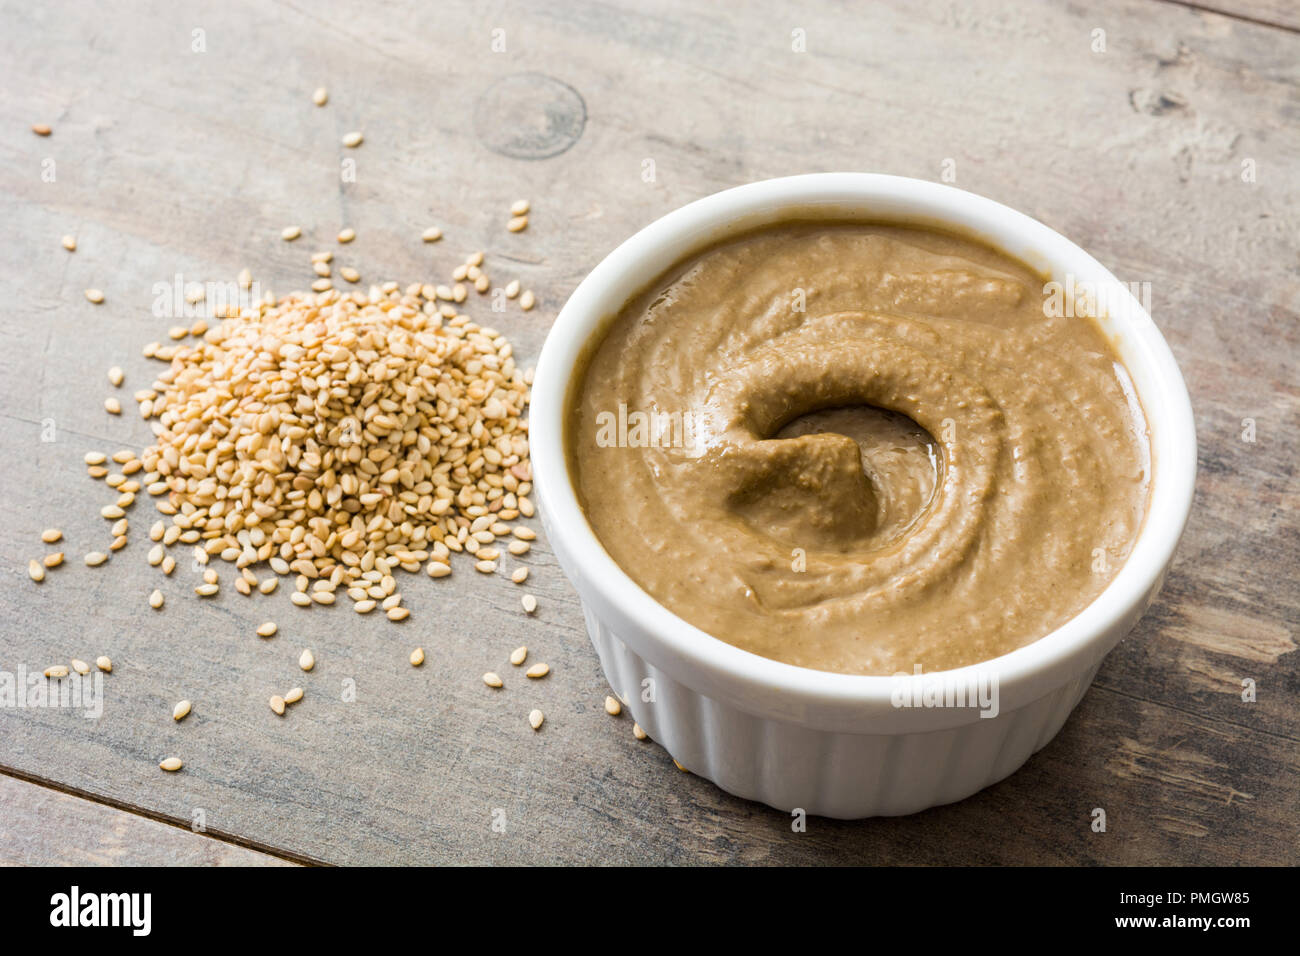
(156, 600)
(171, 764)
(519, 575)
(41, 129)
(517, 224)
(492, 679)
(519, 207)
(398, 614)
(95, 296)
(353, 139)
(527, 300)
(56, 672)
(116, 376)
(53, 560)
(537, 671)
(95, 558)
(321, 96)
(70, 243)
(80, 666)
(612, 706)
(266, 630)
(637, 732)
(432, 234)
(535, 719)
(529, 603)
(518, 655)
(277, 704)
(36, 571)
(104, 664)
(290, 233)
(417, 657)
(181, 710)
(347, 235)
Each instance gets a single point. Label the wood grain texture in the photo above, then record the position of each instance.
(173, 161)
(42, 827)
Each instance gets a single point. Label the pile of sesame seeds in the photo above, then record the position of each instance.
(337, 437)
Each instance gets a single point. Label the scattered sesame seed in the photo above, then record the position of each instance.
(432, 234)
(95, 296)
(180, 711)
(527, 300)
(347, 235)
(104, 664)
(36, 571)
(95, 558)
(80, 666)
(518, 655)
(637, 732)
(517, 224)
(353, 140)
(290, 233)
(53, 560)
(417, 657)
(537, 671)
(492, 679)
(529, 603)
(535, 719)
(612, 706)
(156, 600)
(321, 96)
(277, 704)
(41, 129)
(265, 630)
(519, 207)
(171, 764)
(70, 243)
(56, 672)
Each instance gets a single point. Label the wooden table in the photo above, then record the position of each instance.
(185, 138)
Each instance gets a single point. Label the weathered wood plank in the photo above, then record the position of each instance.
(1279, 13)
(42, 827)
(170, 161)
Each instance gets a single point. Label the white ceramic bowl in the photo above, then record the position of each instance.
(836, 744)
